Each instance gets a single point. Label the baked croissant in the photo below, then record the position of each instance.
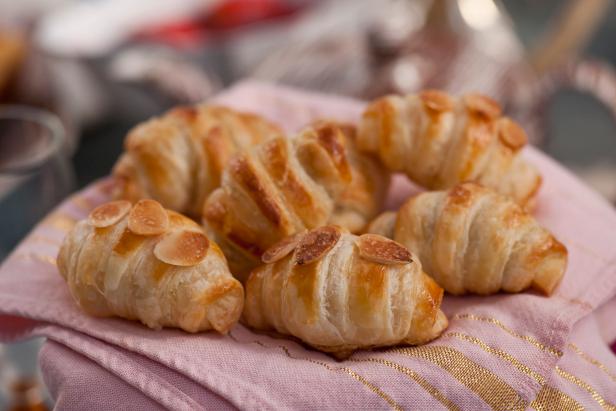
(439, 141)
(146, 263)
(177, 159)
(339, 292)
(286, 185)
(472, 240)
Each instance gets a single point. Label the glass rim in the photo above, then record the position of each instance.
(41, 117)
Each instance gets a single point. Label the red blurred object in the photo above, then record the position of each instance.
(229, 15)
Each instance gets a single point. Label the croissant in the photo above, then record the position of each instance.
(146, 263)
(439, 141)
(472, 240)
(286, 185)
(338, 292)
(177, 159)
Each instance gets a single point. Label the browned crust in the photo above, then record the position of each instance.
(527, 202)
(241, 169)
(186, 113)
(316, 243)
(464, 194)
(108, 214)
(148, 217)
(182, 248)
(276, 156)
(331, 138)
(436, 100)
(379, 249)
(511, 134)
(281, 249)
(482, 105)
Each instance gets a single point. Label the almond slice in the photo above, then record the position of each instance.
(148, 217)
(182, 248)
(511, 134)
(108, 214)
(379, 249)
(483, 105)
(281, 249)
(436, 100)
(316, 243)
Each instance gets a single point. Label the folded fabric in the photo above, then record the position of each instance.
(501, 352)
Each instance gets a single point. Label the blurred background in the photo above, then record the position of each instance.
(76, 75)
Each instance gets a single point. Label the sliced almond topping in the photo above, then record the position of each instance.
(148, 217)
(183, 248)
(108, 214)
(316, 243)
(281, 249)
(379, 249)
(483, 105)
(511, 134)
(436, 100)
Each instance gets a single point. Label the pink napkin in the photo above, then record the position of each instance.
(501, 352)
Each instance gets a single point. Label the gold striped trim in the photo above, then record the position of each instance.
(483, 382)
(60, 221)
(346, 370)
(550, 398)
(554, 351)
(576, 301)
(499, 353)
(433, 391)
(28, 256)
(591, 360)
(583, 384)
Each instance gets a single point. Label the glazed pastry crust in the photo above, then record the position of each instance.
(472, 240)
(287, 185)
(177, 159)
(338, 292)
(439, 141)
(146, 263)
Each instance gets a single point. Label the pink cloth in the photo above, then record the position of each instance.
(504, 351)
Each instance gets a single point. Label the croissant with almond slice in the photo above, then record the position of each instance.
(286, 185)
(146, 263)
(177, 159)
(471, 239)
(439, 141)
(339, 292)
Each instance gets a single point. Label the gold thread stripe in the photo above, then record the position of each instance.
(591, 360)
(36, 257)
(60, 221)
(554, 351)
(583, 384)
(433, 391)
(579, 302)
(499, 353)
(43, 240)
(575, 301)
(483, 382)
(348, 371)
(550, 398)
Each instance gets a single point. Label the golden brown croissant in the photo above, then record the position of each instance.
(177, 159)
(439, 141)
(286, 185)
(339, 292)
(472, 240)
(146, 263)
